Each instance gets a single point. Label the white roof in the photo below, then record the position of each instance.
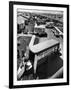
(27, 35)
(20, 19)
(39, 26)
(58, 30)
(41, 46)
